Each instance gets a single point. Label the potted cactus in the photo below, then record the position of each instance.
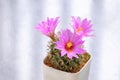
(66, 59)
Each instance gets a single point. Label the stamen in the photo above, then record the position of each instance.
(69, 46)
(79, 29)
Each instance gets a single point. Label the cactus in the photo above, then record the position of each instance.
(66, 50)
(55, 60)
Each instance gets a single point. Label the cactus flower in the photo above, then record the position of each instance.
(82, 27)
(70, 44)
(48, 27)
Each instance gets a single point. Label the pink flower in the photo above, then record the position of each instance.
(48, 27)
(70, 44)
(82, 27)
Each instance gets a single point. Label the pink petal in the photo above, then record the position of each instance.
(63, 53)
(69, 55)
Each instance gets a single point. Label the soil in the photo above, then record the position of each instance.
(85, 57)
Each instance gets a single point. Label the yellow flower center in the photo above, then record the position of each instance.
(79, 29)
(69, 46)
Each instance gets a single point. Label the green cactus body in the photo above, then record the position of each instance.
(55, 60)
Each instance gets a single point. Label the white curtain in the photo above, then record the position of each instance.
(23, 48)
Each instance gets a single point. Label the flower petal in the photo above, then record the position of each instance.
(75, 42)
(63, 53)
(84, 24)
(48, 27)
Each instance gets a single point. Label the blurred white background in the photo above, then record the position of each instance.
(22, 47)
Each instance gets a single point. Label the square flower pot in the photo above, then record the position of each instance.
(50, 73)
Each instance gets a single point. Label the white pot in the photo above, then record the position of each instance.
(50, 73)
